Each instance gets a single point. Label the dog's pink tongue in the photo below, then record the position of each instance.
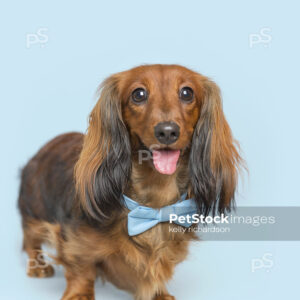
(165, 160)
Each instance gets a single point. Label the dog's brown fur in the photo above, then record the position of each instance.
(70, 190)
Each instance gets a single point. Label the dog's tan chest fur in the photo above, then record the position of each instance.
(153, 189)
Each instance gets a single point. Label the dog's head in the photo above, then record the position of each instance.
(170, 111)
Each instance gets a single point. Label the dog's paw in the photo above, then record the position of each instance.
(165, 297)
(82, 297)
(41, 272)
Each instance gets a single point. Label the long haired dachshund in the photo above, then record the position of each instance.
(72, 190)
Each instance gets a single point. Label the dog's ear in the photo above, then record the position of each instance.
(214, 158)
(104, 165)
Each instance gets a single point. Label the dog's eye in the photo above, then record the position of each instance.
(186, 94)
(139, 95)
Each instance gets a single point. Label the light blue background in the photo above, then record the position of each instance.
(49, 89)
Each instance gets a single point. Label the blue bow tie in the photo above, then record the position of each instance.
(141, 218)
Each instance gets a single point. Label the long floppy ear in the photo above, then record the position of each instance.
(214, 158)
(104, 165)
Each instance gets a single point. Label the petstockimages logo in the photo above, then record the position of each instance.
(255, 221)
(196, 219)
(244, 223)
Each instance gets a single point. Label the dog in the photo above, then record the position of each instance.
(72, 191)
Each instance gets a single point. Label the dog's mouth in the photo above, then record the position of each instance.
(165, 160)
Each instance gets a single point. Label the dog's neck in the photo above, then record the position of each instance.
(151, 188)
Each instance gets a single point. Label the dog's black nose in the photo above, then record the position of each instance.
(167, 132)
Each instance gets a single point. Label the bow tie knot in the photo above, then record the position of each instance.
(142, 218)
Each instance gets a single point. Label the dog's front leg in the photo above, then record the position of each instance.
(80, 283)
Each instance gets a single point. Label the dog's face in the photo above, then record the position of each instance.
(161, 107)
(171, 111)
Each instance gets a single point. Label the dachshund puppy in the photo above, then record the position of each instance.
(72, 191)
